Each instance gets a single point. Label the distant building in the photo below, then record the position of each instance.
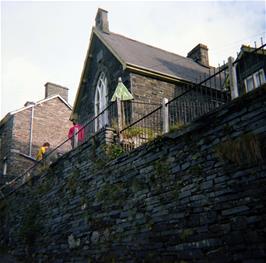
(24, 130)
(250, 69)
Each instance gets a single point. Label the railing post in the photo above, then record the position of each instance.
(232, 78)
(119, 118)
(76, 137)
(5, 166)
(165, 115)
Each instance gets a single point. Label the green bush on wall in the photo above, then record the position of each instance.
(146, 133)
(113, 151)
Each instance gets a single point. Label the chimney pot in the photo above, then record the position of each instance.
(54, 89)
(101, 20)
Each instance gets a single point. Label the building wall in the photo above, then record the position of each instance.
(5, 142)
(21, 131)
(50, 124)
(194, 195)
(101, 60)
(143, 88)
(249, 64)
(149, 90)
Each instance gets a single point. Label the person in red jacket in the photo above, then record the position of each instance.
(73, 130)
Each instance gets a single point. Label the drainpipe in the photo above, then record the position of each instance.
(232, 78)
(31, 128)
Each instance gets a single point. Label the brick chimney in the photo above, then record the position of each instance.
(52, 89)
(200, 55)
(101, 20)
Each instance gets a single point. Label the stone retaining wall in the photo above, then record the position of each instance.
(193, 195)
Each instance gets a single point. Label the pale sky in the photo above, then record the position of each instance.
(47, 41)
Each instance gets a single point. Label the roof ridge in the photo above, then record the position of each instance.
(10, 113)
(41, 101)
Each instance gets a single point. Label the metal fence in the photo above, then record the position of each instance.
(194, 100)
(197, 100)
(191, 101)
(142, 130)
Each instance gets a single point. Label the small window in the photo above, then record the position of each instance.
(259, 78)
(255, 80)
(249, 84)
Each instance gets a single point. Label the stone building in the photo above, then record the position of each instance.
(250, 69)
(24, 130)
(149, 73)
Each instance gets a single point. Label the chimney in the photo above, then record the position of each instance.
(101, 20)
(200, 55)
(54, 89)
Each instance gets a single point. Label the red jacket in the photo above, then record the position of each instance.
(80, 134)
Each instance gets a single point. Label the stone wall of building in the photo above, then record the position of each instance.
(101, 60)
(50, 123)
(143, 88)
(151, 90)
(194, 195)
(5, 142)
(21, 131)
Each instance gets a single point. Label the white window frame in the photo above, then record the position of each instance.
(100, 102)
(259, 73)
(255, 82)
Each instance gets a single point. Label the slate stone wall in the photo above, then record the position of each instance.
(193, 195)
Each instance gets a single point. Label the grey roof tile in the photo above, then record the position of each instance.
(154, 59)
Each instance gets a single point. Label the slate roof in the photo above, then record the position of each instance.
(248, 49)
(139, 54)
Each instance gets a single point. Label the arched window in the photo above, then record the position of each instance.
(100, 102)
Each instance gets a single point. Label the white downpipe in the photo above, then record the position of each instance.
(165, 115)
(232, 78)
(31, 129)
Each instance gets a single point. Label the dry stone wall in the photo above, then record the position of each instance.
(193, 195)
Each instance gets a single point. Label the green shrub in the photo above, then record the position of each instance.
(113, 151)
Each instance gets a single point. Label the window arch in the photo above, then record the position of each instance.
(100, 102)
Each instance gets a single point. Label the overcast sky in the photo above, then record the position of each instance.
(47, 41)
